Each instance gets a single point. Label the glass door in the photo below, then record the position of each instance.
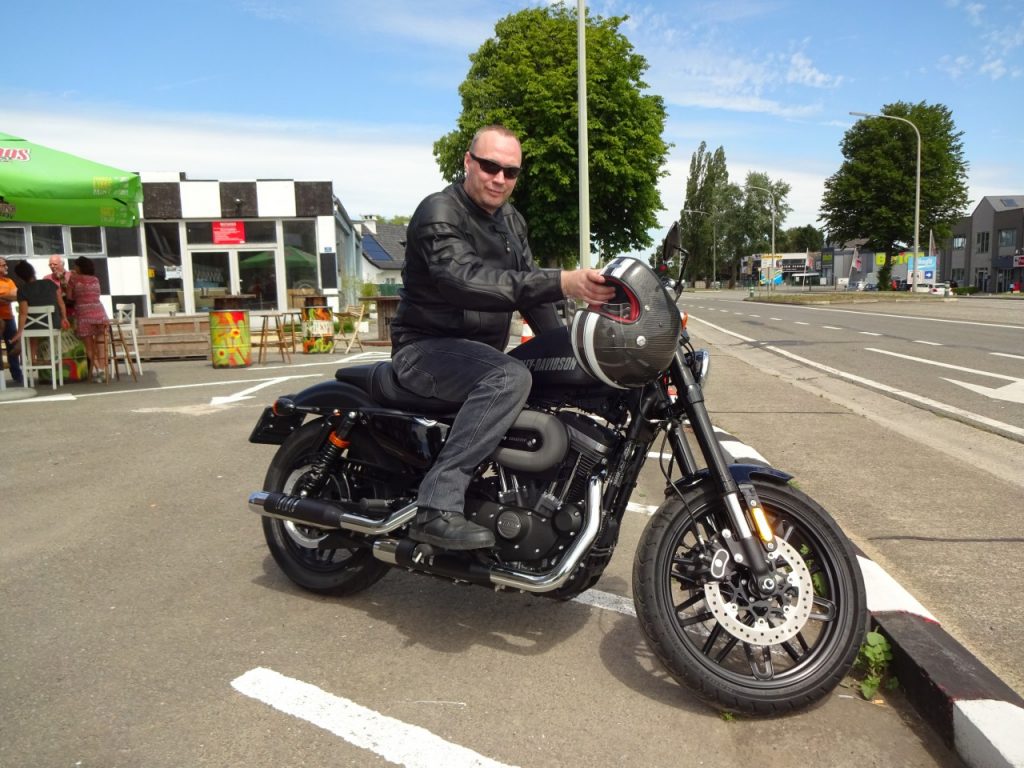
(257, 276)
(211, 277)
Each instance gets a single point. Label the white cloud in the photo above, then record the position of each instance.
(385, 170)
(954, 67)
(803, 72)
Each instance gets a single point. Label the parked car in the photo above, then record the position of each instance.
(940, 289)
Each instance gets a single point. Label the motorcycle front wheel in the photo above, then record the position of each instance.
(723, 640)
(304, 552)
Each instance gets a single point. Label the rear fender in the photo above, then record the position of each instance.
(319, 400)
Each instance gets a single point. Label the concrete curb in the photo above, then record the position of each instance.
(971, 709)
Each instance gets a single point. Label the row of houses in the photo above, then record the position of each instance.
(269, 243)
(985, 250)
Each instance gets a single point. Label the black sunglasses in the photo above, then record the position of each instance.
(492, 168)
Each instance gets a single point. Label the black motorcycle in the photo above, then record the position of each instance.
(746, 589)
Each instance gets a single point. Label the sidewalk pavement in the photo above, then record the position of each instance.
(970, 707)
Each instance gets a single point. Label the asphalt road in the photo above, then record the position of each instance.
(144, 623)
(961, 357)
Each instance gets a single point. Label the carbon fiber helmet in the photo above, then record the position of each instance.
(631, 339)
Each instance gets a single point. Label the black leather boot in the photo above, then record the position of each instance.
(449, 530)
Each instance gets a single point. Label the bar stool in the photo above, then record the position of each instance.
(117, 352)
(272, 334)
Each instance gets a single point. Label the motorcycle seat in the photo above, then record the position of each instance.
(378, 380)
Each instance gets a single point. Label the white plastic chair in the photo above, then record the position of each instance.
(123, 327)
(39, 326)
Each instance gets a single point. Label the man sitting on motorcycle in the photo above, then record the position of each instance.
(468, 266)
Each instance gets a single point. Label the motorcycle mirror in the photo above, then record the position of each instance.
(671, 246)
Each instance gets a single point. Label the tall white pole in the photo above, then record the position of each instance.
(917, 193)
(584, 142)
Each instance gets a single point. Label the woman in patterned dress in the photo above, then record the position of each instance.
(90, 316)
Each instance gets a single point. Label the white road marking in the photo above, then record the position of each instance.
(909, 396)
(801, 322)
(1011, 393)
(949, 366)
(244, 394)
(929, 343)
(607, 601)
(391, 739)
(868, 333)
(832, 327)
(1005, 354)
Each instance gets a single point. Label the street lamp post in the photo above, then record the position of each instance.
(917, 193)
(772, 196)
(714, 243)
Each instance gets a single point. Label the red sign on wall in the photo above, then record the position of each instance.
(228, 232)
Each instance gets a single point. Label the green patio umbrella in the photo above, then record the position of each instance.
(46, 186)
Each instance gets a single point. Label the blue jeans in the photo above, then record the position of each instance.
(493, 388)
(13, 350)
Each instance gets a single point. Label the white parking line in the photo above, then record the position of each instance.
(391, 739)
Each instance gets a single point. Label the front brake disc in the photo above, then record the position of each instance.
(796, 601)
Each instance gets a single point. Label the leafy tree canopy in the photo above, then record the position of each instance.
(525, 78)
(722, 222)
(872, 194)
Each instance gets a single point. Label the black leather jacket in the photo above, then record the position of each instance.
(466, 271)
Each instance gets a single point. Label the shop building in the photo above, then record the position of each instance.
(986, 249)
(268, 244)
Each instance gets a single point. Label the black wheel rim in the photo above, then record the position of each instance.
(706, 640)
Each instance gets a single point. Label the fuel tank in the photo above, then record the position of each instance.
(556, 372)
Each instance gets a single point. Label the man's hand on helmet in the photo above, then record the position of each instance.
(586, 284)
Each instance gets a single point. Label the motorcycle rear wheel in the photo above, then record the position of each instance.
(297, 549)
(700, 652)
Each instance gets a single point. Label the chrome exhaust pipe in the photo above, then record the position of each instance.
(347, 515)
(557, 576)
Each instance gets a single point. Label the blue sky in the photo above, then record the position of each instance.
(357, 92)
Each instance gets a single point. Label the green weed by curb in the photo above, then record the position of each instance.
(873, 663)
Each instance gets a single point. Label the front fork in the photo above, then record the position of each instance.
(743, 508)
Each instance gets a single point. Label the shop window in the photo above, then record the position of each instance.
(199, 232)
(12, 241)
(86, 240)
(1007, 238)
(300, 256)
(166, 286)
(47, 241)
(123, 241)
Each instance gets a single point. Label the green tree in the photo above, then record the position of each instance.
(872, 194)
(701, 221)
(795, 239)
(525, 77)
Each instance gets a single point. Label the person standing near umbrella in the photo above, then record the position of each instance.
(59, 276)
(8, 326)
(90, 317)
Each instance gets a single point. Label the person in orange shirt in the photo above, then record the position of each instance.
(8, 325)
